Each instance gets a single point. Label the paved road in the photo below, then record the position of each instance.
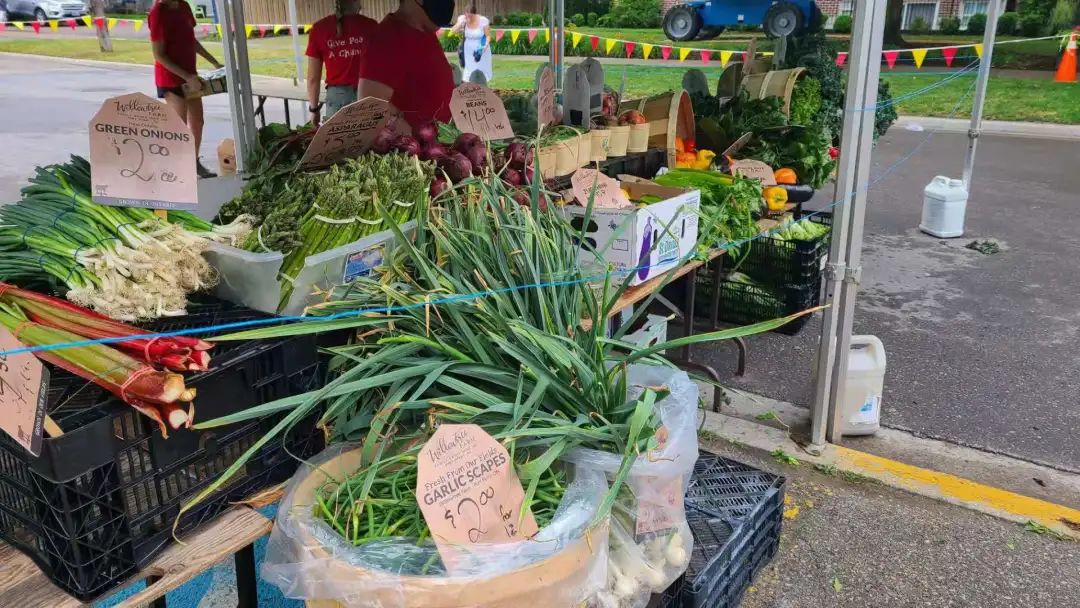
(982, 349)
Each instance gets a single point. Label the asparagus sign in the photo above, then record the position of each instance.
(23, 385)
(142, 155)
(468, 491)
(347, 134)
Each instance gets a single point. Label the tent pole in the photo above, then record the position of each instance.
(980, 91)
(232, 80)
(294, 32)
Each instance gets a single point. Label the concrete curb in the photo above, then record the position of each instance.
(1003, 128)
(946, 487)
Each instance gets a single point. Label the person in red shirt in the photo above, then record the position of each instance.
(172, 37)
(406, 65)
(337, 43)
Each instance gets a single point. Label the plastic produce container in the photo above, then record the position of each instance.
(944, 206)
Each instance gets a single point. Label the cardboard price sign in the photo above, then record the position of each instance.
(477, 109)
(347, 134)
(23, 391)
(607, 195)
(545, 97)
(754, 169)
(142, 155)
(468, 491)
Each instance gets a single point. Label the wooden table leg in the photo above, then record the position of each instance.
(247, 595)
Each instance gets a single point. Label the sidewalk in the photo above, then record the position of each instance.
(855, 543)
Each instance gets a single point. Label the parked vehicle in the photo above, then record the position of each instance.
(43, 10)
(706, 19)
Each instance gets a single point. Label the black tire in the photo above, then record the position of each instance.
(782, 19)
(40, 16)
(708, 33)
(682, 23)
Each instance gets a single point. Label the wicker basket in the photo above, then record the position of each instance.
(547, 162)
(567, 152)
(601, 143)
(777, 83)
(620, 138)
(669, 116)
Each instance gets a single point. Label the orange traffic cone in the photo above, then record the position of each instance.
(1066, 71)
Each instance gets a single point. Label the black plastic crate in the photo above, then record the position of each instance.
(100, 501)
(742, 304)
(780, 263)
(735, 514)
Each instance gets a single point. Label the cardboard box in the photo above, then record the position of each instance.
(212, 83)
(649, 240)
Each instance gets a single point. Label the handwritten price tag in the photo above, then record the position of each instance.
(142, 155)
(545, 97)
(608, 194)
(660, 504)
(754, 169)
(347, 134)
(477, 109)
(468, 491)
(23, 384)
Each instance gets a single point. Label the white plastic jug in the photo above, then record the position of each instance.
(944, 206)
(861, 405)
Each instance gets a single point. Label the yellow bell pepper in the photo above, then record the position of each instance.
(775, 198)
(704, 159)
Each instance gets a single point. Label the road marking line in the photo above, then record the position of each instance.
(958, 489)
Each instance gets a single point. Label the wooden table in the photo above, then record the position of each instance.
(233, 533)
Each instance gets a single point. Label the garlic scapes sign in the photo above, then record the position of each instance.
(142, 155)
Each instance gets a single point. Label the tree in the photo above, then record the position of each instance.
(104, 41)
(894, 22)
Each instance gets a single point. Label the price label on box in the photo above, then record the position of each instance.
(23, 391)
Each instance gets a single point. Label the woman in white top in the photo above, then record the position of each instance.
(477, 32)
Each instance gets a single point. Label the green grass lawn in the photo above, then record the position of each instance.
(1008, 98)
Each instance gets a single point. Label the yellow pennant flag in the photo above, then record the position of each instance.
(609, 44)
(547, 36)
(87, 19)
(53, 24)
(683, 53)
(919, 55)
(112, 24)
(307, 28)
(18, 24)
(978, 50)
(514, 35)
(248, 29)
(646, 49)
(137, 24)
(575, 38)
(219, 30)
(277, 28)
(725, 56)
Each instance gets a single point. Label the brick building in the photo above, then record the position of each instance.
(931, 11)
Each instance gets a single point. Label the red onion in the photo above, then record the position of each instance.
(519, 155)
(407, 144)
(433, 151)
(457, 166)
(384, 141)
(468, 141)
(512, 177)
(438, 186)
(427, 133)
(478, 158)
(528, 174)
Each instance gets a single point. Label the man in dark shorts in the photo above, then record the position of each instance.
(172, 36)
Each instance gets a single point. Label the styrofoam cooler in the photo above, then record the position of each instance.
(944, 205)
(863, 387)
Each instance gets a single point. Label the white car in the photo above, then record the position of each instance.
(43, 10)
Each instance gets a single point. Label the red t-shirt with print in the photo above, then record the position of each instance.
(175, 25)
(414, 65)
(340, 54)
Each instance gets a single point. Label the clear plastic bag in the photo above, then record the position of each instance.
(650, 541)
(561, 566)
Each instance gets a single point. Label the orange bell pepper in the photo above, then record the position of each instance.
(785, 175)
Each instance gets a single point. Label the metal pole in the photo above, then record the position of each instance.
(560, 43)
(980, 90)
(294, 30)
(243, 81)
(232, 79)
(842, 272)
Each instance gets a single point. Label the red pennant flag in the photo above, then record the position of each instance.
(665, 52)
(705, 56)
(629, 48)
(745, 57)
(532, 35)
(595, 42)
(206, 30)
(2, 26)
(37, 26)
(840, 59)
(71, 23)
(262, 31)
(499, 35)
(890, 58)
(99, 23)
(948, 53)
